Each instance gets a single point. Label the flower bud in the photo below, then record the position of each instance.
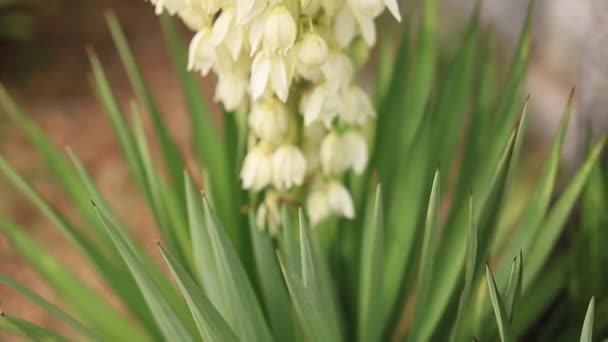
(257, 168)
(289, 167)
(269, 120)
(312, 49)
(280, 30)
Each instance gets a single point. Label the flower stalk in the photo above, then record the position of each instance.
(286, 63)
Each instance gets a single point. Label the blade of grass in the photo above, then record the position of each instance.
(30, 330)
(245, 313)
(541, 198)
(171, 154)
(209, 146)
(587, 331)
(204, 259)
(310, 314)
(55, 159)
(317, 279)
(169, 321)
(451, 253)
(371, 274)
(81, 298)
(469, 271)
(427, 259)
(51, 308)
(514, 284)
(502, 320)
(210, 324)
(553, 223)
(275, 294)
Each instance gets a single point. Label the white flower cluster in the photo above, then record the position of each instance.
(285, 61)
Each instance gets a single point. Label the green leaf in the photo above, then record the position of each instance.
(275, 294)
(552, 225)
(310, 314)
(541, 198)
(104, 320)
(30, 330)
(209, 146)
(514, 286)
(244, 312)
(317, 279)
(170, 322)
(587, 331)
(55, 159)
(170, 152)
(502, 320)
(290, 246)
(469, 271)
(209, 322)
(452, 250)
(427, 259)
(114, 114)
(50, 308)
(175, 232)
(452, 99)
(371, 274)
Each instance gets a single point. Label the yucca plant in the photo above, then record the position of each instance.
(414, 263)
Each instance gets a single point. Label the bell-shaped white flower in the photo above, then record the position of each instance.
(280, 30)
(334, 156)
(226, 31)
(289, 167)
(345, 27)
(317, 206)
(312, 52)
(356, 107)
(201, 55)
(355, 147)
(249, 9)
(338, 70)
(256, 173)
(271, 71)
(342, 152)
(311, 145)
(195, 18)
(375, 7)
(269, 120)
(312, 49)
(339, 200)
(233, 78)
(319, 105)
(329, 199)
(171, 6)
(331, 7)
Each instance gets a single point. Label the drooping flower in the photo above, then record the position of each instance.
(271, 71)
(290, 67)
(330, 199)
(280, 30)
(341, 152)
(257, 168)
(289, 167)
(269, 120)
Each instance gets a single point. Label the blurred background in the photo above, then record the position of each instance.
(44, 65)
